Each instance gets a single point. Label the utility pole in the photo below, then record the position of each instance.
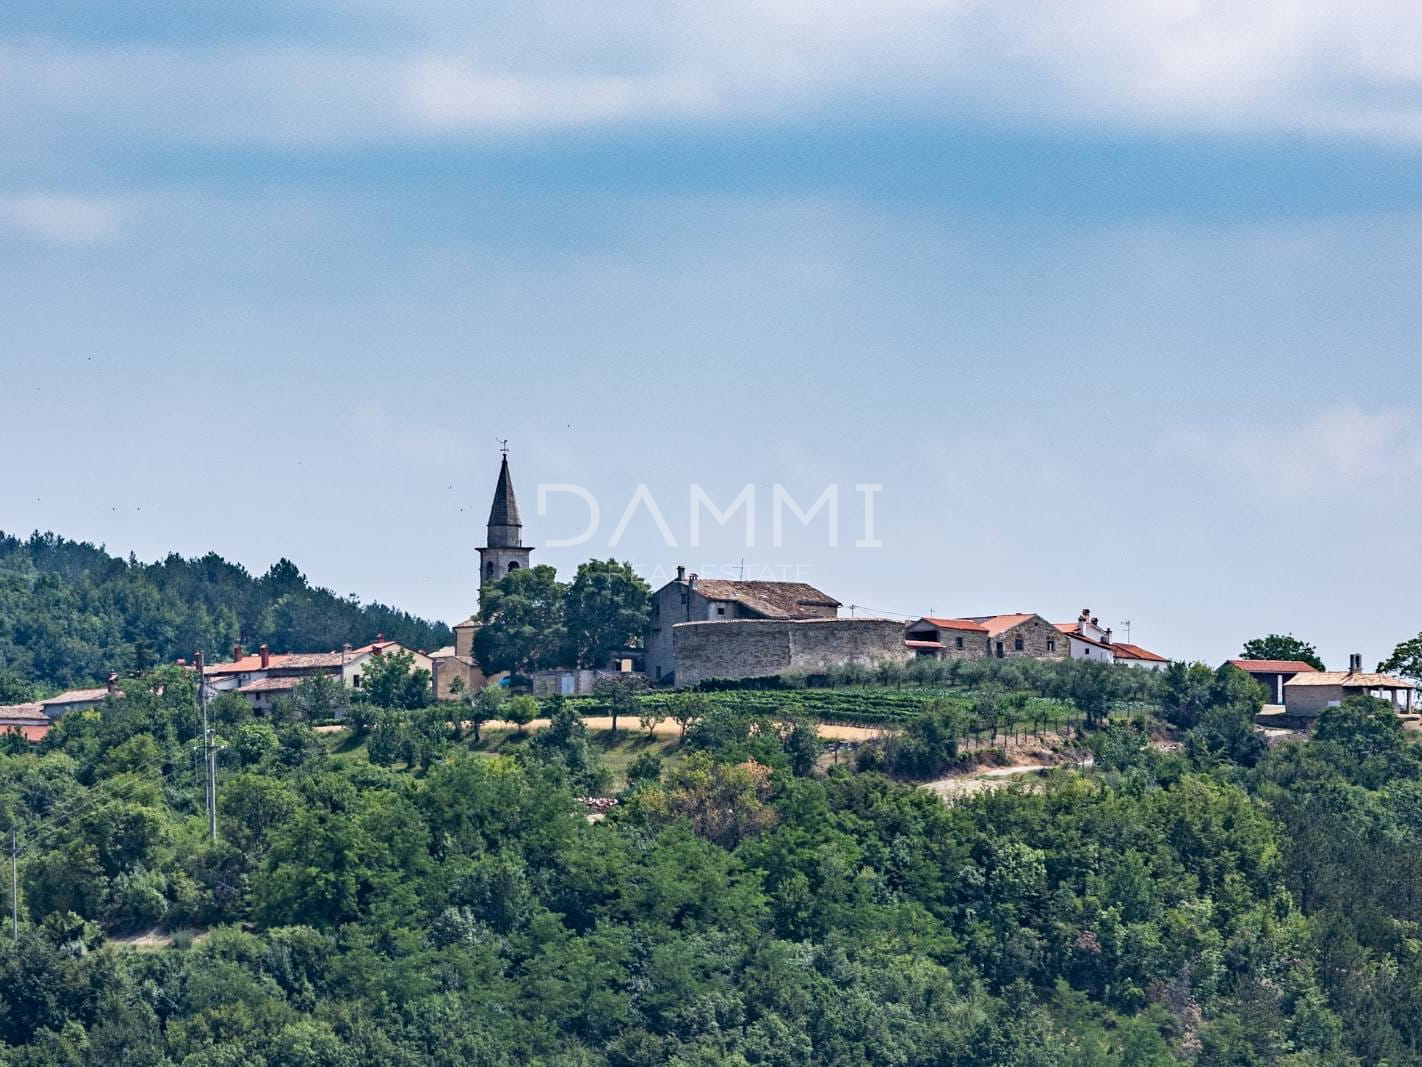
(209, 752)
(15, 884)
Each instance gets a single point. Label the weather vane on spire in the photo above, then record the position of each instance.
(503, 444)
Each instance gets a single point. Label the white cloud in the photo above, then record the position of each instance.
(1344, 450)
(61, 219)
(1318, 66)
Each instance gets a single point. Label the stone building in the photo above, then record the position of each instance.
(1310, 692)
(692, 599)
(947, 638)
(457, 661)
(761, 647)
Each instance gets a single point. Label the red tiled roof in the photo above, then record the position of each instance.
(1272, 666)
(1126, 651)
(996, 624)
(966, 625)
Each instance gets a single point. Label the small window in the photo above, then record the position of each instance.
(1087, 651)
(1051, 644)
(958, 642)
(1017, 645)
(720, 609)
(489, 569)
(999, 650)
(513, 565)
(355, 680)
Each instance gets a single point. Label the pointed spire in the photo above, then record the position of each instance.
(505, 530)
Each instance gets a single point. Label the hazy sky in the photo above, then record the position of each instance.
(1118, 302)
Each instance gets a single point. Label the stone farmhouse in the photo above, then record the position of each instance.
(1308, 693)
(689, 599)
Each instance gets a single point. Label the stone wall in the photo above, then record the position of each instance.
(752, 648)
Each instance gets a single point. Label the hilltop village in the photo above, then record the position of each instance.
(702, 631)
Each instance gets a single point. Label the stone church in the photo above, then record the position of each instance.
(454, 668)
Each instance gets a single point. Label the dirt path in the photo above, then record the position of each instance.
(669, 729)
(977, 781)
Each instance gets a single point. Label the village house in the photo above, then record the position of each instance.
(28, 720)
(79, 699)
(691, 599)
(986, 637)
(1308, 693)
(1022, 634)
(264, 676)
(938, 638)
(1088, 639)
(1273, 674)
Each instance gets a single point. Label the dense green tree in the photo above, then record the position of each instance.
(1406, 660)
(607, 609)
(391, 680)
(1282, 646)
(522, 622)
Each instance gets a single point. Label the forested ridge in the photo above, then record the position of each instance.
(70, 612)
(412, 892)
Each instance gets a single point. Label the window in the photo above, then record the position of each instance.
(1017, 645)
(513, 565)
(958, 642)
(1087, 651)
(999, 650)
(355, 680)
(489, 570)
(1051, 644)
(720, 609)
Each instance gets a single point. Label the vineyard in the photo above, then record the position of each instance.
(879, 705)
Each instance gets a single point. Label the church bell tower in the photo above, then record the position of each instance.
(503, 549)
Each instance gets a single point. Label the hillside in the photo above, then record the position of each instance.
(410, 893)
(70, 612)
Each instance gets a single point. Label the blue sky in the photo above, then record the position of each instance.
(1119, 304)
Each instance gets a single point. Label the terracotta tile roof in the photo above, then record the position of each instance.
(280, 662)
(1361, 680)
(1127, 651)
(1273, 666)
(271, 685)
(996, 624)
(11, 714)
(774, 600)
(966, 625)
(77, 696)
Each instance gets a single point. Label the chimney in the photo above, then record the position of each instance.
(266, 654)
(112, 684)
(380, 639)
(1355, 663)
(691, 581)
(1108, 635)
(680, 572)
(236, 652)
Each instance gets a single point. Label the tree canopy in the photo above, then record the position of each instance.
(1282, 646)
(70, 613)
